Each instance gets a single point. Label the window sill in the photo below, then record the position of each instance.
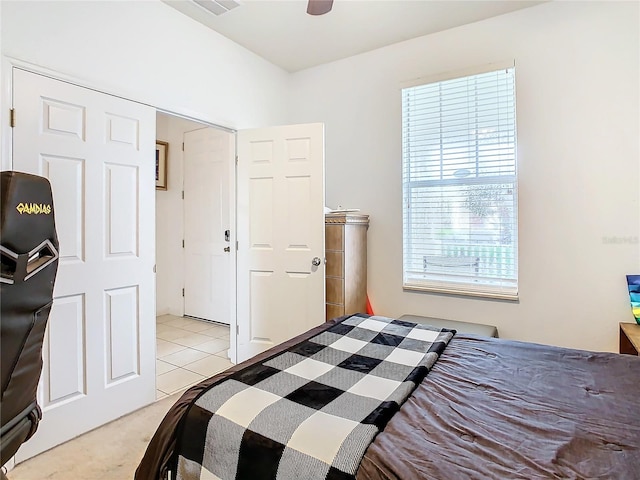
(461, 291)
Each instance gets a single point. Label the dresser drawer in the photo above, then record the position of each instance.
(335, 290)
(334, 263)
(333, 237)
(334, 311)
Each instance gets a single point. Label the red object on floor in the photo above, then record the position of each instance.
(369, 307)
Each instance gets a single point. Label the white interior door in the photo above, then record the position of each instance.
(280, 211)
(208, 159)
(99, 350)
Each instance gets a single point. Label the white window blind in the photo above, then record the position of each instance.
(460, 185)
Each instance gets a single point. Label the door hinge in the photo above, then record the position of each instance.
(237, 329)
(183, 146)
(12, 117)
(236, 245)
(183, 292)
(182, 243)
(183, 194)
(236, 159)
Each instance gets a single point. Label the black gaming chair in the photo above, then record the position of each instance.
(29, 251)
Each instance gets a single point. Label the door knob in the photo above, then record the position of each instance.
(227, 249)
(316, 261)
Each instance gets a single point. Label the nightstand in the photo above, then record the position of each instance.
(629, 338)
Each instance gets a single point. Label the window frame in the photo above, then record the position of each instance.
(507, 288)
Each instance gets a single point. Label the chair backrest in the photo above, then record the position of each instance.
(29, 253)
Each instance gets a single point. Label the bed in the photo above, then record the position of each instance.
(485, 408)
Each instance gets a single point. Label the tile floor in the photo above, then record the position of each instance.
(188, 351)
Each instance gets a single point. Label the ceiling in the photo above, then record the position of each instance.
(285, 35)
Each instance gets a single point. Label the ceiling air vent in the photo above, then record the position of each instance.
(217, 7)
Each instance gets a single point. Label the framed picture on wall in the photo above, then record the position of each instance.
(162, 150)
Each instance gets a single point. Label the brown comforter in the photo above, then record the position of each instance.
(491, 409)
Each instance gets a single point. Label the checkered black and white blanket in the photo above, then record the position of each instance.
(311, 411)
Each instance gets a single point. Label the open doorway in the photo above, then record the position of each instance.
(193, 261)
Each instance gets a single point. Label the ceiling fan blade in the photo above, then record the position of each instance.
(319, 7)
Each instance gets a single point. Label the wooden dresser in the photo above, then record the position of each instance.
(346, 269)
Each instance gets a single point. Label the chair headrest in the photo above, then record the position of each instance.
(28, 240)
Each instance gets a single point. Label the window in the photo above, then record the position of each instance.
(459, 180)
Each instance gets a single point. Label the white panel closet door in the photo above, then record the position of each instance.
(99, 350)
(281, 272)
(208, 159)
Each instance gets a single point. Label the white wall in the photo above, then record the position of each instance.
(149, 52)
(577, 73)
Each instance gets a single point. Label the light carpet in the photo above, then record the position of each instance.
(111, 452)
